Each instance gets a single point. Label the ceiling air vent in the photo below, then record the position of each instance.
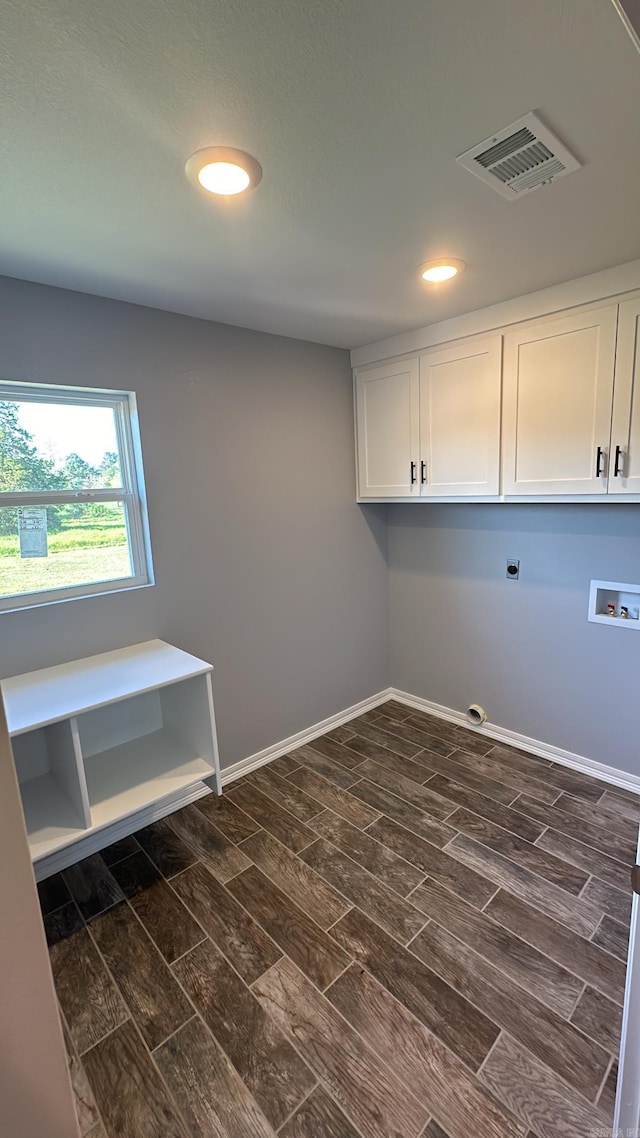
(519, 158)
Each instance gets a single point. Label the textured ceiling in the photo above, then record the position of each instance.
(356, 111)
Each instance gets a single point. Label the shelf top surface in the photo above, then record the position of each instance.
(35, 699)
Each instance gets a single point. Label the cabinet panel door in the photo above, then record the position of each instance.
(558, 389)
(625, 430)
(387, 430)
(460, 419)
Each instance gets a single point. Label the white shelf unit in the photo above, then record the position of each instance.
(104, 745)
(604, 593)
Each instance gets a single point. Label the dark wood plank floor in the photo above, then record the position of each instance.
(397, 931)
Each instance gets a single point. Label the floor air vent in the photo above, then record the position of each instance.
(519, 158)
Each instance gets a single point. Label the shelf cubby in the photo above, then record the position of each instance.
(146, 747)
(111, 741)
(52, 785)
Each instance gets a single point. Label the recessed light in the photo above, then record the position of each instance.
(223, 170)
(441, 270)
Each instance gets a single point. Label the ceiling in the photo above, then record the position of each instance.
(356, 112)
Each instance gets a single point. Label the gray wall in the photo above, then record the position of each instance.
(264, 563)
(266, 566)
(461, 632)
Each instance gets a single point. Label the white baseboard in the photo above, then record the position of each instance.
(612, 775)
(244, 766)
(63, 858)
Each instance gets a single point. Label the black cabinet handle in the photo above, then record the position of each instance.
(413, 473)
(618, 467)
(599, 457)
(423, 472)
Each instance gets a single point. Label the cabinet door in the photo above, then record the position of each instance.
(387, 430)
(460, 419)
(625, 430)
(558, 389)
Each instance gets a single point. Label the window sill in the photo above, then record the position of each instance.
(63, 596)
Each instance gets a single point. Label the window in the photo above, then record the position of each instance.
(72, 511)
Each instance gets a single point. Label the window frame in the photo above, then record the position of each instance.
(131, 493)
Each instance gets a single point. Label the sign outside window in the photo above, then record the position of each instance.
(32, 531)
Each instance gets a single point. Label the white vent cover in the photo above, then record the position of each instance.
(519, 158)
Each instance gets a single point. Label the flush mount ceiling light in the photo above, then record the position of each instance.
(441, 270)
(223, 170)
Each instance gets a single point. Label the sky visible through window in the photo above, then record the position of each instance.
(65, 448)
(72, 520)
(58, 430)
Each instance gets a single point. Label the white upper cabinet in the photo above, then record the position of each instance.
(557, 404)
(543, 410)
(460, 419)
(624, 474)
(387, 400)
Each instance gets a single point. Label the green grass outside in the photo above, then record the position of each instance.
(82, 535)
(78, 555)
